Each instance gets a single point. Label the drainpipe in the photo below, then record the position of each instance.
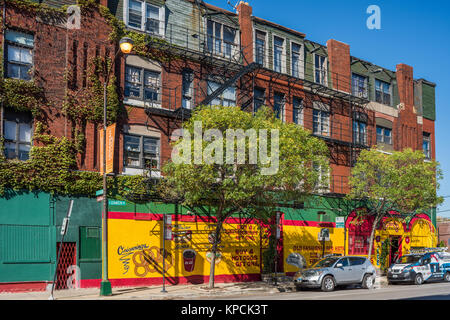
(3, 62)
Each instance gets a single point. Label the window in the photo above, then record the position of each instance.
(19, 54)
(320, 69)
(142, 84)
(278, 105)
(359, 132)
(356, 261)
(187, 87)
(321, 122)
(358, 244)
(323, 180)
(278, 44)
(141, 152)
(227, 98)
(295, 59)
(260, 47)
(384, 135)
(359, 86)
(146, 17)
(221, 39)
(259, 98)
(297, 111)
(17, 135)
(382, 92)
(343, 261)
(427, 145)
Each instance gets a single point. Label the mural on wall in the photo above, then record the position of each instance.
(135, 248)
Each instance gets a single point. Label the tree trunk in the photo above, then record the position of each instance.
(214, 252)
(372, 234)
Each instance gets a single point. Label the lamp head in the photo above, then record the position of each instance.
(126, 45)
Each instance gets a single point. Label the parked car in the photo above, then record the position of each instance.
(334, 271)
(419, 268)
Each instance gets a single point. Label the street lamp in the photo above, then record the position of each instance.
(125, 46)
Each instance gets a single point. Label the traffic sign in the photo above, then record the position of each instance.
(340, 222)
(99, 193)
(117, 203)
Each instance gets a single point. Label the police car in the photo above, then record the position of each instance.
(420, 266)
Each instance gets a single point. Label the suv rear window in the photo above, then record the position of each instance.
(355, 261)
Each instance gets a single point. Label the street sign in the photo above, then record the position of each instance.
(100, 198)
(116, 203)
(64, 226)
(168, 227)
(340, 222)
(99, 193)
(324, 235)
(278, 235)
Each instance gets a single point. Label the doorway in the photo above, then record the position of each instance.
(68, 258)
(394, 248)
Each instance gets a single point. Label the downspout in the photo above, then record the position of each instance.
(2, 58)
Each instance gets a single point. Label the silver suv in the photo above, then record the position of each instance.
(333, 271)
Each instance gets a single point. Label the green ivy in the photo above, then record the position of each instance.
(21, 95)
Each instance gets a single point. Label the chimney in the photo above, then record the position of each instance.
(339, 62)
(405, 85)
(246, 24)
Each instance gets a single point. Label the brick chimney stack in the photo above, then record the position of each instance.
(339, 60)
(245, 21)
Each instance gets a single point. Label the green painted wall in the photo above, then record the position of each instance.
(30, 225)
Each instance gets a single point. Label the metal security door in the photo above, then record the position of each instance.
(67, 258)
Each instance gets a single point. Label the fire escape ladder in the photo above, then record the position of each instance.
(243, 71)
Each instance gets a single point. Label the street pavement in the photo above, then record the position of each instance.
(248, 291)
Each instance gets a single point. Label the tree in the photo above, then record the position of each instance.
(403, 182)
(240, 163)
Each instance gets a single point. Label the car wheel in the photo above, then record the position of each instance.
(328, 284)
(298, 287)
(418, 280)
(367, 281)
(447, 277)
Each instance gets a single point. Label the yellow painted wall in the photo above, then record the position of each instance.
(135, 249)
(304, 240)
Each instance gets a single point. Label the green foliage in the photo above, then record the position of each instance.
(441, 244)
(21, 95)
(385, 246)
(231, 185)
(403, 181)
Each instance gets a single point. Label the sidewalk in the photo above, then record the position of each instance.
(173, 292)
(148, 293)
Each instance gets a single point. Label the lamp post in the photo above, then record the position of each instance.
(125, 46)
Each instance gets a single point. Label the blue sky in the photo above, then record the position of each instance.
(413, 32)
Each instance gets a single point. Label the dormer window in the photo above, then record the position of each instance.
(144, 16)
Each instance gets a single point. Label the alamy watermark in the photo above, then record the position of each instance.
(374, 20)
(235, 147)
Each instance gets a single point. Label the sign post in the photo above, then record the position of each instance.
(167, 235)
(64, 226)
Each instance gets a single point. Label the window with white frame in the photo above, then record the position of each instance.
(297, 113)
(221, 39)
(359, 132)
(259, 98)
(227, 98)
(19, 54)
(145, 17)
(427, 145)
(320, 69)
(17, 135)
(296, 60)
(141, 152)
(142, 84)
(321, 122)
(278, 105)
(278, 49)
(384, 135)
(323, 178)
(260, 47)
(188, 89)
(359, 86)
(383, 92)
